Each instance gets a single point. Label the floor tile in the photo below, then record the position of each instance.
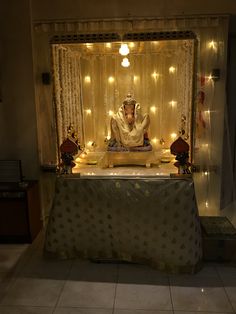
(141, 287)
(187, 312)
(142, 296)
(141, 274)
(199, 294)
(33, 292)
(73, 310)
(84, 270)
(122, 311)
(40, 266)
(88, 294)
(25, 310)
(11, 256)
(229, 282)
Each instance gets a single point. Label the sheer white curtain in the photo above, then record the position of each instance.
(160, 78)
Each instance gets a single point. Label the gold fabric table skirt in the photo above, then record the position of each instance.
(145, 220)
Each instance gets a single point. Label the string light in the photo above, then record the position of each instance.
(135, 78)
(89, 45)
(88, 111)
(212, 45)
(111, 79)
(173, 103)
(154, 140)
(110, 112)
(90, 143)
(125, 63)
(172, 69)
(87, 79)
(153, 109)
(155, 75)
(124, 50)
(206, 204)
(108, 45)
(173, 136)
(132, 45)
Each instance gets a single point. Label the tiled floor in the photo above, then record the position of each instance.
(30, 283)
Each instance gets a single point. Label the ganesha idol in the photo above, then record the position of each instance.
(129, 128)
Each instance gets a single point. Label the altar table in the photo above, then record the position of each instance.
(144, 220)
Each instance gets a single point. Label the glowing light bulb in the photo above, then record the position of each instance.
(90, 143)
(125, 63)
(205, 145)
(207, 111)
(209, 77)
(110, 112)
(202, 290)
(124, 50)
(173, 103)
(87, 79)
(108, 45)
(154, 140)
(153, 109)
(88, 111)
(89, 45)
(155, 75)
(212, 45)
(206, 173)
(206, 204)
(172, 69)
(135, 78)
(111, 79)
(131, 45)
(173, 136)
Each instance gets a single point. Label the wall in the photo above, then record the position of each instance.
(74, 9)
(18, 129)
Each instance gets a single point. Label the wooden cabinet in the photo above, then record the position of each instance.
(20, 217)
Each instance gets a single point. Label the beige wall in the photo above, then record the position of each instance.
(78, 9)
(18, 130)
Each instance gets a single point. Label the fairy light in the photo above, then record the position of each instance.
(89, 45)
(173, 136)
(87, 79)
(125, 63)
(154, 140)
(155, 75)
(111, 79)
(108, 45)
(124, 50)
(135, 78)
(88, 111)
(206, 204)
(206, 173)
(90, 143)
(212, 45)
(172, 69)
(110, 113)
(153, 109)
(173, 103)
(132, 45)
